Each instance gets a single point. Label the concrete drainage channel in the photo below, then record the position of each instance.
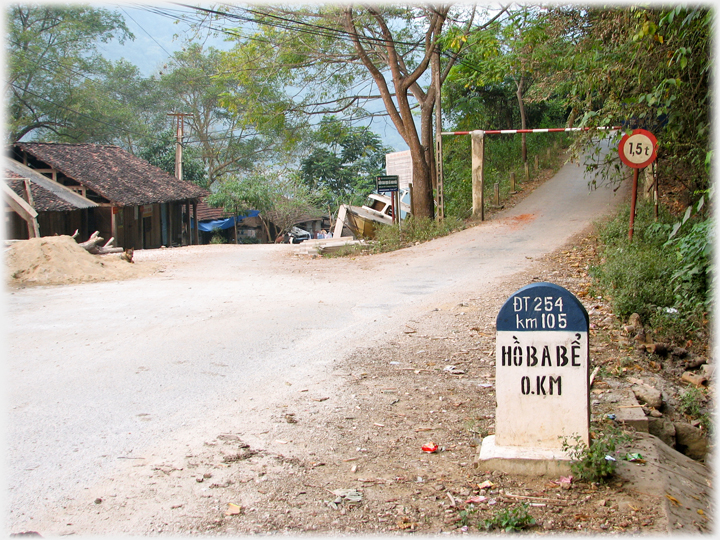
(683, 485)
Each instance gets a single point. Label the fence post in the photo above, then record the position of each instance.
(527, 172)
(497, 194)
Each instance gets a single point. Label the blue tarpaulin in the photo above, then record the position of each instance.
(211, 225)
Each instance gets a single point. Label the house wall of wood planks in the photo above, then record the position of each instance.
(49, 223)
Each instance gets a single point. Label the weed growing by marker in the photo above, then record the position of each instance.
(510, 519)
(597, 462)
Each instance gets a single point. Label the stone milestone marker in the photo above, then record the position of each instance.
(541, 381)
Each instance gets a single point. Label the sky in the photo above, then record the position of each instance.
(158, 36)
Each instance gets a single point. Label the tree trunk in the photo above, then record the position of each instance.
(422, 186)
(397, 103)
(571, 118)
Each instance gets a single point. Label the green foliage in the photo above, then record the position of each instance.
(217, 237)
(644, 67)
(116, 106)
(692, 246)
(465, 514)
(344, 163)
(411, 231)
(235, 127)
(693, 402)
(248, 239)
(665, 280)
(502, 157)
(391, 238)
(281, 200)
(345, 67)
(52, 53)
(510, 519)
(501, 63)
(595, 463)
(160, 151)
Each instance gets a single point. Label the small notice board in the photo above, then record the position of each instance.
(387, 183)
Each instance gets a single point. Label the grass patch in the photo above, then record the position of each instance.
(666, 281)
(502, 157)
(412, 231)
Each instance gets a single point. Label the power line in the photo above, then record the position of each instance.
(148, 33)
(291, 24)
(321, 31)
(287, 24)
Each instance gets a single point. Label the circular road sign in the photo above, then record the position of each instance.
(639, 149)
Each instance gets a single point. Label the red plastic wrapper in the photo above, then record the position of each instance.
(430, 448)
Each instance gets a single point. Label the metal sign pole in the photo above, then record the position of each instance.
(637, 150)
(633, 202)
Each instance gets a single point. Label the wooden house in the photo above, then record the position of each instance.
(138, 204)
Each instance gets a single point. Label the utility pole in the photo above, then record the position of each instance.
(180, 119)
(185, 213)
(438, 139)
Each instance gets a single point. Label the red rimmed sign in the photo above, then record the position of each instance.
(638, 149)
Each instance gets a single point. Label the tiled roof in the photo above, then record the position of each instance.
(48, 196)
(207, 212)
(113, 173)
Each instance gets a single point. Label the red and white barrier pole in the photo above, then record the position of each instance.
(514, 131)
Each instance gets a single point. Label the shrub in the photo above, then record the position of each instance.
(663, 274)
(217, 237)
(692, 403)
(596, 462)
(248, 239)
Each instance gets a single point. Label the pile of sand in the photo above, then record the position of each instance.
(59, 260)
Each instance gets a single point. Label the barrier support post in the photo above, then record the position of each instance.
(478, 175)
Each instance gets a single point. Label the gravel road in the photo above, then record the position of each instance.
(101, 373)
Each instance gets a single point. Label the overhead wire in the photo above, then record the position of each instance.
(284, 23)
(148, 33)
(325, 31)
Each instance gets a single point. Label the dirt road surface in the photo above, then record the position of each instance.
(131, 401)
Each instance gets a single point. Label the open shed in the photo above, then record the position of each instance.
(58, 209)
(138, 204)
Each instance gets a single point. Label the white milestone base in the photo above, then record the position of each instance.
(522, 460)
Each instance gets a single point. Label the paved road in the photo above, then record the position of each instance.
(101, 372)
